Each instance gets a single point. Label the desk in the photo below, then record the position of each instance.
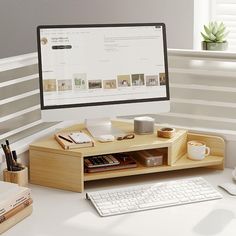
(60, 213)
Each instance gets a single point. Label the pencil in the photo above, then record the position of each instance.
(62, 137)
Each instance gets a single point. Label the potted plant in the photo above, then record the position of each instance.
(214, 37)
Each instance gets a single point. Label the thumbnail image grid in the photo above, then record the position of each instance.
(79, 81)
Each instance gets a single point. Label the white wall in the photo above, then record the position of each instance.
(201, 17)
(19, 18)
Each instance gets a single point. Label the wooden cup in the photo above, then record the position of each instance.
(166, 132)
(18, 177)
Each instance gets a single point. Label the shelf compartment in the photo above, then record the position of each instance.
(182, 163)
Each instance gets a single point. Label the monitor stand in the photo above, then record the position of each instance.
(102, 126)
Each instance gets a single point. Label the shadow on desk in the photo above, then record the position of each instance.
(218, 219)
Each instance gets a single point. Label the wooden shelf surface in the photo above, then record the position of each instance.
(182, 163)
(140, 142)
(52, 166)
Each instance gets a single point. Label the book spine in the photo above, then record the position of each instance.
(14, 201)
(15, 210)
(16, 218)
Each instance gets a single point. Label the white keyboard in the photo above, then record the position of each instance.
(151, 196)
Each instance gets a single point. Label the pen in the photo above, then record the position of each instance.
(18, 166)
(3, 148)
(10, 153)
(8, 144)
(62, 137)
(6, 157)
(14, 156)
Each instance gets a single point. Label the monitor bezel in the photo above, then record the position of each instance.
(43, 107)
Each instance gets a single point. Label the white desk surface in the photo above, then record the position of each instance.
(58, 212)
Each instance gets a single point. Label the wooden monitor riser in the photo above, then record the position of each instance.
(50, 165)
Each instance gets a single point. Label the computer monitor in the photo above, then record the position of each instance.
(93, 71)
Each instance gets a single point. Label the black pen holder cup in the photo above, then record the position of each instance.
(19, 177)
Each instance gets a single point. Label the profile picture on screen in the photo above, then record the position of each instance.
(44, 41)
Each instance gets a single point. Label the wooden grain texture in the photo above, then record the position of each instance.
(140, 142)
(178, 149)
(56, 170)
(216, 144)
(16, 218)
(182, 163)
(51, 165)
(17, 177)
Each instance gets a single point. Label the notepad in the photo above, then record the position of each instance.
(80, 138)
(73, 140)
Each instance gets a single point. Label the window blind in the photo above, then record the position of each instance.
(225, 11)
(20, 114)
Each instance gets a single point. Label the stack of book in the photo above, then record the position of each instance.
(15, 204)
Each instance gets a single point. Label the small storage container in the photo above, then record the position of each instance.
(150, 158)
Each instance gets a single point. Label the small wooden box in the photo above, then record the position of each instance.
(18, 177)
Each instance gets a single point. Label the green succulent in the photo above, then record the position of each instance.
(215, 32)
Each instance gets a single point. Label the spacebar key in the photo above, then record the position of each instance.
(159, 204)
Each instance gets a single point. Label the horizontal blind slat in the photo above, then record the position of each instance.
(19, 80)
(17, 122)
(201, 97)
(17, 97)
(36, 127)
(18, 105)
(20, 115)
(18, 73)
(203, 109)
(193, 121)
(203, 94)
(17, 89)
(207, 80)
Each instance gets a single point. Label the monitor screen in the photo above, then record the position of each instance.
(94, 65)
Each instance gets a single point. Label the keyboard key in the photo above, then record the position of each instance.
(158, 204)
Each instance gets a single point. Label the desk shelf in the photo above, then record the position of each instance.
(52, 166)
(182, 163)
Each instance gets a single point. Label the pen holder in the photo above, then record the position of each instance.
(19, 177)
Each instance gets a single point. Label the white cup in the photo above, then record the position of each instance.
(197, 150)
